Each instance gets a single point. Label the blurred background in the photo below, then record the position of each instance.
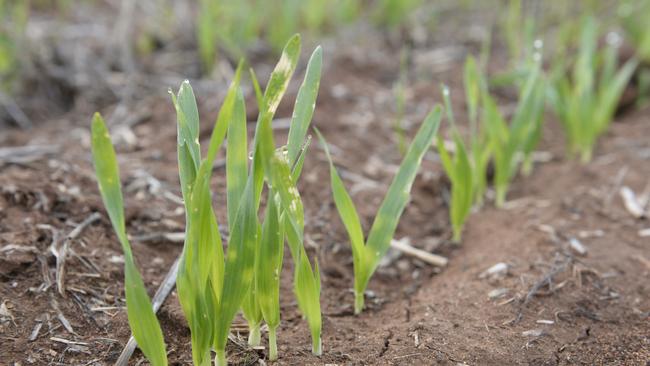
(383, 64)
(58, 55)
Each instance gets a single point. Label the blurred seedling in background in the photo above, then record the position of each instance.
(459, 170)
(509, 140)
(585, 95)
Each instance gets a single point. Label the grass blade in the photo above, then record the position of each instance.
(305, 103)
(306, 280)
(236, 158)
(142, 320)
(398, 195)
(367, 256)
(268, 271)
(348, 213)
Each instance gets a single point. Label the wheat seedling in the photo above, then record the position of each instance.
(366, 256)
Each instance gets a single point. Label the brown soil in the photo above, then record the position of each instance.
(555, 307)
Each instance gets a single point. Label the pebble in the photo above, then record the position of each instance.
(497, 293)
(498, 270)
(533, 333)
(577, 246)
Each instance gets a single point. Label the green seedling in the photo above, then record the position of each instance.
(479, 144)
(460, 173)
(211, 284)
(142, 320)
(236, 284)
(281, 221)
(306, 278)
(267, 272)
(467, 169)
(507, 141)
(534, 134)
(286, 170)
(366, 256)
(586, 100)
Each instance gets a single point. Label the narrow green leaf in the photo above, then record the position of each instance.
(142, 320)
(305, 104)
(297, 166)
(347, 212)
(236, 158)
(263, 145)
(306, 282)
(239, 266)
(201, 270)
(259, 97)
(268, 270)
(281, 75)
(383, 228)
(471, 81)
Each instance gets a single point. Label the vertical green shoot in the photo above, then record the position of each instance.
(283, 180)
(266, 163)
(459, 171)
(366, 256)
(479, 145)
(508, 140)
(142, 320)
(306, 278)
(267, 271)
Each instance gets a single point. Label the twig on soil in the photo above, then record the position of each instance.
(161, 294)
(406, 356)
(547, 279)
(65, 341)
(631, 203)
(496, 271)
(26, 154)
(61, 252)
(37, 328)
(45, 271)
(404, 246)
(64, 321)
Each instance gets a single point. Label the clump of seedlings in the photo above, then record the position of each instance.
(505, 144)
(214, 286)
(585, 98)
(366, 253)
